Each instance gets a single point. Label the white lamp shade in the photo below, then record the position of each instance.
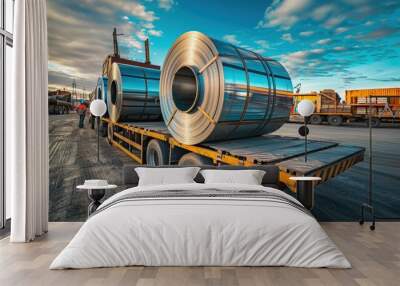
(305, 108)
(98, 107)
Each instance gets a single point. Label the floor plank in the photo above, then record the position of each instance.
(375, 257)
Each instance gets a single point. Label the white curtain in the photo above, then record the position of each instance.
(27, 124)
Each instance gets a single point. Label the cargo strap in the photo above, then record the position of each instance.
(208, 64)
(212, 121)
(171, 117)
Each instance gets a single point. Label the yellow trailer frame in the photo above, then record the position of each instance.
(131, 140)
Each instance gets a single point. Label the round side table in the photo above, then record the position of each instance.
(95, 195)
(305, 190)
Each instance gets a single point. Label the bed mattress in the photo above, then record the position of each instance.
(201, 225)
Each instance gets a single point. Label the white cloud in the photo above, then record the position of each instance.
(141, 34)
(334, 21)
(293, 61)
(317, 51)
(259, 51)
(231, 39)
(306, 33)
(283, 13)
(132, 8)
(341, 30)
(166, 4)
(156, 33)
(324, 41)
(78, 43)
(322, 11)
(314, 63)
(57, 15)
(131, 42)
(262, 43)
(148, 25)
(287, 37)
(339, 48)
(58, 67)
(286, 13)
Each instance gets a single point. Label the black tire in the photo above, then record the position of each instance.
(315, 119)
(335, 120)
(375, 122)
(110, 133)
(192, 159)
(157, 153)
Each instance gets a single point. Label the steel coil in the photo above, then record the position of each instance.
(133, 93)
(211, 90)
(101, 89)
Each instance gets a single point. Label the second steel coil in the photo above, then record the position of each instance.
(101, 89)
(211, 90)
(133, 93)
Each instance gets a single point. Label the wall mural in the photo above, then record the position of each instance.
(204, 91)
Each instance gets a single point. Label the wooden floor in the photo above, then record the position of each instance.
(375, 257)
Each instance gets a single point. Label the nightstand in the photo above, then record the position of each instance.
(95, 194)
(305, 190)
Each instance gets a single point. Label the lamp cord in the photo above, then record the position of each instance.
(305, 138)
(98, 138)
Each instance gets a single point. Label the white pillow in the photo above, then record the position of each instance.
(248, 177)
(166, 176)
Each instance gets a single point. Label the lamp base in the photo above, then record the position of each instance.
(305, 193)
(370, 208)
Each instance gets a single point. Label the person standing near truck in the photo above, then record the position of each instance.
(81, 110)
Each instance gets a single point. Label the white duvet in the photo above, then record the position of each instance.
(200, 231)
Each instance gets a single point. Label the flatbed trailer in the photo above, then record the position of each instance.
(325, 159)
(57, 106)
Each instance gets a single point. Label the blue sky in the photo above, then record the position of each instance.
(343, 44)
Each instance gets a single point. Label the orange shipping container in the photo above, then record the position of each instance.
(352, 95)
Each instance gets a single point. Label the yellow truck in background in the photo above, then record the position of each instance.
(384, 103)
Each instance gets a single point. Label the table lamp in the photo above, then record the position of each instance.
(305, 108)
(98, 108)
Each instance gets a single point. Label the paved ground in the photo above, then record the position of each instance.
(73, 158)
(340, 198)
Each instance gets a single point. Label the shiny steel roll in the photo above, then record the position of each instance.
(133, 93)
(101, 89)
(211, 90)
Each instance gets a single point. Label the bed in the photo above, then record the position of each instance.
(198, 224)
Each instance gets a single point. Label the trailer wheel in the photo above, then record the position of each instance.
(110, 133)
(157, 153)
(375, 122)
(193, 159)
(315, 119)
(335, 120)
